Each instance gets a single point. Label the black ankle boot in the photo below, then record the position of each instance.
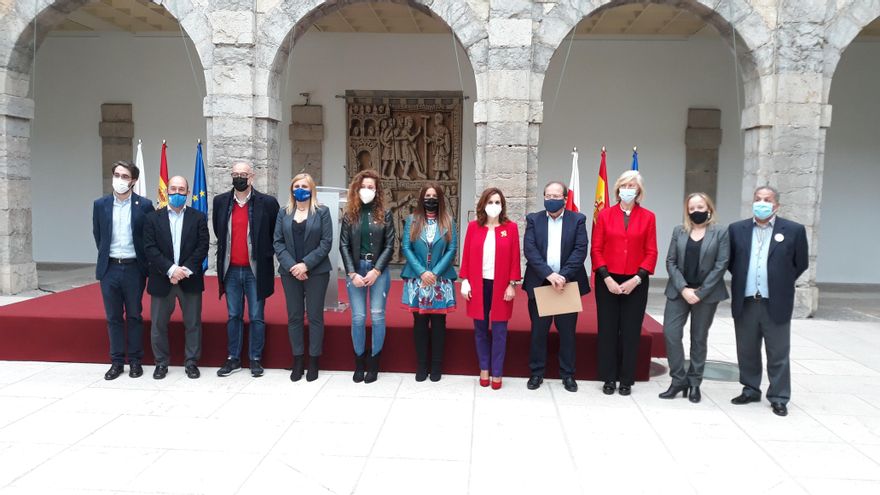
(297, 373)
(373, 369)
(359, 368)
(312, 375)
(436, 371)
(421, 372)
(694, 394)
(674, 390)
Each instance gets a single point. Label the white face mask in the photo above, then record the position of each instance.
(367, 195)
(628, 195)
(493, 210)
(121, 186)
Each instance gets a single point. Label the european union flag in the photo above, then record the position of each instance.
(200, 189)
(635, 159)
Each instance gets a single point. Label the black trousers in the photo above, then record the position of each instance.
(565, 325)
(753, 326)
(620, 326)
(435, 336)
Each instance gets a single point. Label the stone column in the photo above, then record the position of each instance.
(506, 140)
(18, 272)
(116, 130)
(307, 136)
(702, 140)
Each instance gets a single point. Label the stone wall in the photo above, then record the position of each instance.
(787, 53)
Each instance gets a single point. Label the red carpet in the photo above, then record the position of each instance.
(70, 326)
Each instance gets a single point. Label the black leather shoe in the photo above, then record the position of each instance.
(192, 371)
(625, 390)
(421, 373)
(673, 391)
(744, 399)
(312, 374)
(608, 388)
(535, 382)
(231, 366)
(779, 408)
(135, 370)
(569, 384)
(436, 371)
(694, 395)
(256, 368)
(115, 370)
(160, 371)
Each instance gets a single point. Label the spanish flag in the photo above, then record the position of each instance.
(163, 178)
(601, 189)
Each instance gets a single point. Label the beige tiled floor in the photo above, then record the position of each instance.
(63, 429)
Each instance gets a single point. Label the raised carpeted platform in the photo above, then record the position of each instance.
(70, 326)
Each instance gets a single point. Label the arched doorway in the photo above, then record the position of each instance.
(340, 73)
(672, 78)
(53, 165)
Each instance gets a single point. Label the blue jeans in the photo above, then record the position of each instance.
(357, 296)
(239, 283)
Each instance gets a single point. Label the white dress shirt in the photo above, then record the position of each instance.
(554, 242)
(489, 256)
(176, 222)
(121, 240)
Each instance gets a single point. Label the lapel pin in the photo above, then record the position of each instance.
(503, 233)
(779, 237)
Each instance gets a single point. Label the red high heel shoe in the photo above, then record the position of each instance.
(484, 382)
(496, 385)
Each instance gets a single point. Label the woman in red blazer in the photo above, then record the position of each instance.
(624, 253)
(490, 268)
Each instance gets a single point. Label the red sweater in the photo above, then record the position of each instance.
(238, 253)
(624, 250)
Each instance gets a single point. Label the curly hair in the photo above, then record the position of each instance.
(353, 205)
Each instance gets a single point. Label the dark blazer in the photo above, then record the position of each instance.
(714, 254)
(318, 240)
(788, 258)
(194, 239)
(383, 240)
(416, 253)
(574, 251)
(102, 228)
(262, 210)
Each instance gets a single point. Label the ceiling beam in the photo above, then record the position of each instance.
(84, 18)
(347, 22)
(376, 15)
(670, 21)
(636, 18)
(412, 16)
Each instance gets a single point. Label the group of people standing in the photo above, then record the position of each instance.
(764, 254)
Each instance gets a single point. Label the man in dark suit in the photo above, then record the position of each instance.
(767, 255)
(244, 224)
(555, 246)
(176, 243)
(117, 224)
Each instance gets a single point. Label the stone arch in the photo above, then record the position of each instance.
(849, 20)
(289, 20)
(735, 19)
(23, 27)
(18, 34)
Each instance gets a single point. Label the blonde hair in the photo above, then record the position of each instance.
(710, 206)
(627, 177)
(313, 201)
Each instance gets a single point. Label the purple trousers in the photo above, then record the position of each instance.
(490, 349)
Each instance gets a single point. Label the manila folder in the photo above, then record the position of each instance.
(551, 302)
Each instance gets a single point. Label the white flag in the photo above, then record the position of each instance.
(140, 187)
(573, 202)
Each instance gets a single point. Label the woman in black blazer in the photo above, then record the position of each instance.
(303, 236)
(696, 262)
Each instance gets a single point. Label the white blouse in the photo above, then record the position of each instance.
(489, 256)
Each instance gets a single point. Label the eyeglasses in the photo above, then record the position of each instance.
(121, 176)
(243, 175)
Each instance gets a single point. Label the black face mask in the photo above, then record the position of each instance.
(431, 204)
(240, 183)
(699, 217)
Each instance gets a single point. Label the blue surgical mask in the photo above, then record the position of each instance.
(177, 200)
(628, 195)
(762, 210)
(302, 194)
(554, 205)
